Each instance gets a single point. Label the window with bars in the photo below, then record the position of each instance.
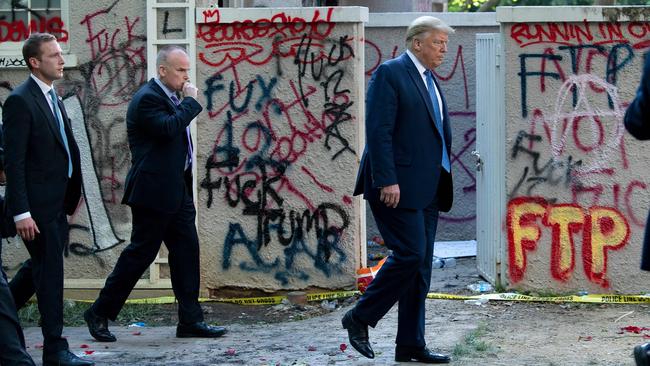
(19, 18)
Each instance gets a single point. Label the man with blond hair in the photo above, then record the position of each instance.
(405, 174)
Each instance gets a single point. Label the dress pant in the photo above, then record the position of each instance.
(12, 342)
(406, 274)
(22, 284)
(151, 228)
(46, 253)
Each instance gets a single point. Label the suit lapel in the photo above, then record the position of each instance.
(419, 84)
(155, 87)
(44, 106)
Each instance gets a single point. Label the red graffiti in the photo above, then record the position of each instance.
(117, 63)
(18, 30)
(526, 34)
(280, 25)
(604, 229)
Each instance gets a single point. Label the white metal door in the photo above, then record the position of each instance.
(490, 158)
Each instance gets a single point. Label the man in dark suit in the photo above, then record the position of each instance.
(12, 341)
(159, 191)
(43, 183)
(637, 123)
(405, 175)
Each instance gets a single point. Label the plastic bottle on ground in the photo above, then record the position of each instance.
(480, 287)
(444, 262)
(481, 301)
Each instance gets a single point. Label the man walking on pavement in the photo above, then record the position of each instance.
(159, 191)
(405, 175)
(43, 184)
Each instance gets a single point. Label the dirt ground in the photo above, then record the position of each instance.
(497, 333)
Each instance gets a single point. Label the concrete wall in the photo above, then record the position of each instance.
(278, 145)
(576, 181)
(385, 34)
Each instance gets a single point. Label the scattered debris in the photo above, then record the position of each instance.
(329, 305)
(624, 315)
(311, 348)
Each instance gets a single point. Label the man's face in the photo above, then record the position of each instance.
(430, 48)
(174, 72)
(49, 66)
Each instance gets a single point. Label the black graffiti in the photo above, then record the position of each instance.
(12, 62)
(293, 231)
(554, 172)
(166, 30)
(336, 101)
(223, 156)
(524, 74)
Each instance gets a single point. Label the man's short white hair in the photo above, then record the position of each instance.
(423, 25)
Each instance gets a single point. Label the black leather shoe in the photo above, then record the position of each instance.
(98, 326)
(65, 358)
(358, 335)
(423, 355)
(199, 330)
(642, 355)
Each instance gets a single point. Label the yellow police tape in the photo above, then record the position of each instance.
(597, 299)
(274, 300)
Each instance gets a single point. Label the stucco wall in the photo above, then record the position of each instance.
(385, 35)
(576, 181)
(278, 146)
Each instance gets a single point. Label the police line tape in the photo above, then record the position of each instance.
(509, 296)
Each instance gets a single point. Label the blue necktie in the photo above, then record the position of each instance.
(64, 137)
(188, 164)
(438, 120)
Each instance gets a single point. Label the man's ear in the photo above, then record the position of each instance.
(416, 44)
(34, 62)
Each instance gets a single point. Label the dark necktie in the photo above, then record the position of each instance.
(189, 136)
(438, 119)
(59, 119)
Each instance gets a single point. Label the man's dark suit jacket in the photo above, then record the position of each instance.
(637, 123)
(155, 127)
(36, 162)
(403, 145)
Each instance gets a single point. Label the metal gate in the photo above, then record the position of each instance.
(490, 157)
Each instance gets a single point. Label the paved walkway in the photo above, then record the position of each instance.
(315, 341)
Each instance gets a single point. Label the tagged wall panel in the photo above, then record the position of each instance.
(279, 146)
(576, 181)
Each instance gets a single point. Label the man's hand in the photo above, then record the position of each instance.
(390, 195)
(27, 229)
(189, 90)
